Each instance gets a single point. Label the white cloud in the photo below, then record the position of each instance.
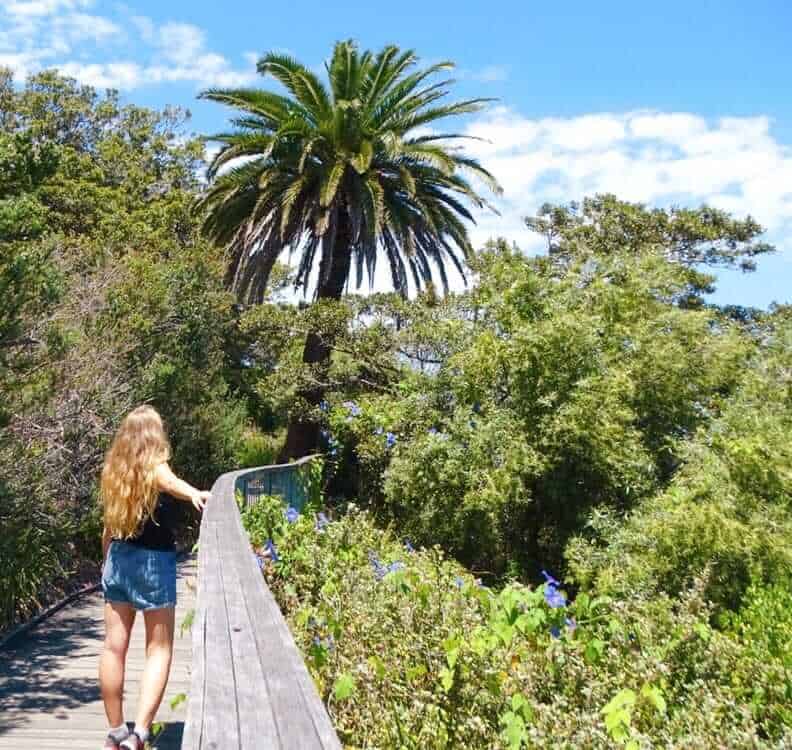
(61, 33)
(652, 157)
(491, 74)
(40, 8)
(119, 75)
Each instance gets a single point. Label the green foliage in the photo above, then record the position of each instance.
(729, 505)
(107, 299)
(408, 650)
(340, 169)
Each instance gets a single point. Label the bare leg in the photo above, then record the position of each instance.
(159, 651)
(119, 619)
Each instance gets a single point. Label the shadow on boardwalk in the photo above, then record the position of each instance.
(34, 668)
(49, 690)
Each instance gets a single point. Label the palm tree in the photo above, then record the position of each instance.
(345, 172)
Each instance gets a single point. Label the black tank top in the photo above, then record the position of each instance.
(158, 530)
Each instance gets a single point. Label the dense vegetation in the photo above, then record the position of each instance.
(342, 174)
(410, 651)
(584, 412)
(108, 297)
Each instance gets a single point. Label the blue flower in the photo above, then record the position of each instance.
(260, 560)
(459, 582)
(554, 597)
(408, 546)
(379, 568)
(552, 581)
(323, 405)
(476, 407)
(396, 566)
(321, 521)
(325, 434)
(555, 632)
(272, 550)
(570, 623)
(354, 409)
(433, 430)
(292, 514)
(390, 440)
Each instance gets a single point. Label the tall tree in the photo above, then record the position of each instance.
(339, 174)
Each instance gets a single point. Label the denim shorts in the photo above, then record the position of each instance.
(144, 578)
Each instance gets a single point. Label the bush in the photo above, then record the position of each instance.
(408, 650)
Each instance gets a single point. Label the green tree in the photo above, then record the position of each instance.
(341, 174)
(28, 281)
(692, 237)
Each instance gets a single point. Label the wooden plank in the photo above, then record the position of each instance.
(275, 703)
(257, 724)
(49, 693)
(220, 719)
(303, 720)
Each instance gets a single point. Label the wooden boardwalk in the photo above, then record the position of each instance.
(49, 692)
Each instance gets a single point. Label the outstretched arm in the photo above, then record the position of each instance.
(168, 482)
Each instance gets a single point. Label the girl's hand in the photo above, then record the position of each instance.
(199, 499)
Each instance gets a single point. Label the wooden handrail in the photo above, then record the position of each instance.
(250, 687)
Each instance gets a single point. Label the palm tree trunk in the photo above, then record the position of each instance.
(302, 437)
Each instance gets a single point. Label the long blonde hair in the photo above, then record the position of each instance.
(128, 490)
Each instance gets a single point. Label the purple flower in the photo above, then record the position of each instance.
(272, 550)
(321, 521)
(396, 566)
(555, 632)
(554, 597)
(354, 409)
(379, 568)
(552, 581)
(570, 623)
(433, 430)
(408, 546)
(292, 514)
(390, 440)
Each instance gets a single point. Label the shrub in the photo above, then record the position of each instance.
(408, 650)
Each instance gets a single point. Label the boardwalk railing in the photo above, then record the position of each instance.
(250, 687)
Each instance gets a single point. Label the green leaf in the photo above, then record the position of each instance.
(177, 700)
(513, 730)
(362, 160)
(451, 647)
(344, 687)
(622, 699)
(376, 664)
(655, 696)
(594, 650)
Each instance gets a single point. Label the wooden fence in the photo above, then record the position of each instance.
(249, 686)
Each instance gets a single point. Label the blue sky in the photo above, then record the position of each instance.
(671, 102)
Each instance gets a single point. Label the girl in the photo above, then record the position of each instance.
(139, 571)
